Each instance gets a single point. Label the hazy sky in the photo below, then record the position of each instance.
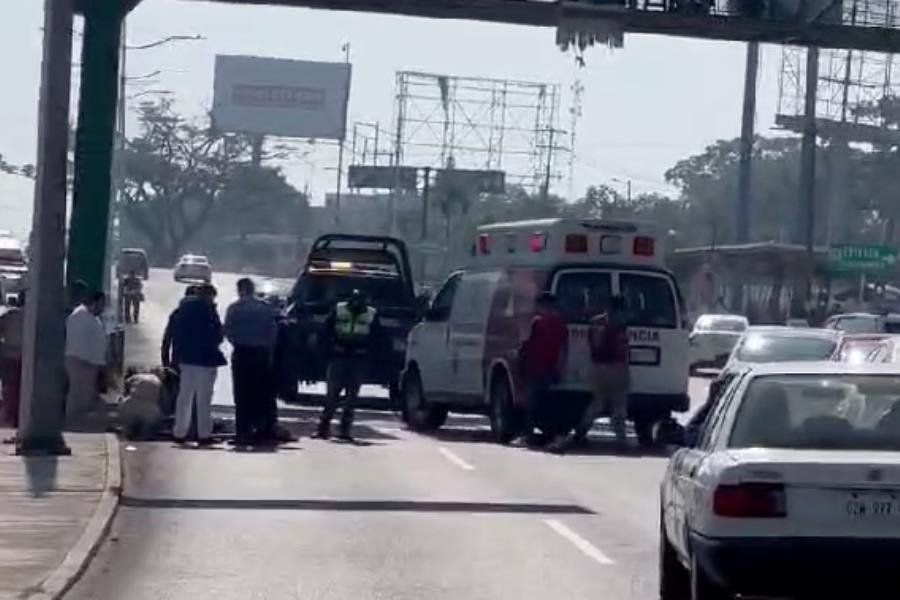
(645, 106)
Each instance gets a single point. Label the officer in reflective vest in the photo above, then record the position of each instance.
(351, 332)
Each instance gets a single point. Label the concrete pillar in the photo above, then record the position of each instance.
(94, 141)
(41, 411)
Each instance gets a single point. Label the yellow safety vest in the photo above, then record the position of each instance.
(350, 327)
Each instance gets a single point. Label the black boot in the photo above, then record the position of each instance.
(323, 431)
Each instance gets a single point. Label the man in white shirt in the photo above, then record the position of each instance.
(85, 354)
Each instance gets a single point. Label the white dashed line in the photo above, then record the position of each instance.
(456, 460)
(579, 542)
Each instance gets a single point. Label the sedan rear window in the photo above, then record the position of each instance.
(715, 323)
(820, 412)
(761, 347)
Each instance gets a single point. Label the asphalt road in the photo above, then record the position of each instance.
(396, 516)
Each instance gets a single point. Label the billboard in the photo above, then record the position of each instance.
(275, 96)
(483, 182)
(374, 177)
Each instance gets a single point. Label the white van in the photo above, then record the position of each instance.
(463, 356)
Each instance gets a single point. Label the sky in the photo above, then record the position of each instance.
(645, 106)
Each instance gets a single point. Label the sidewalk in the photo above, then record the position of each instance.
(53, 513)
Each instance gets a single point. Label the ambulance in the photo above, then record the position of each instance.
(464, 355)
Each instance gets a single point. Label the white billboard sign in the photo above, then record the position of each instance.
(274, 96)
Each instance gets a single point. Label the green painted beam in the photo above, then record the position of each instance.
(94, 139)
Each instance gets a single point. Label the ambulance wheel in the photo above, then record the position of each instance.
(645, 427)
(421, 415)
(505, 422)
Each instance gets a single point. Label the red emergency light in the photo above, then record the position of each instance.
(643, 246)
(576, 243)
(484, 244)
(537, 242)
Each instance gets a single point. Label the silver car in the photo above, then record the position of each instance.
(193, 268)
(713, 338)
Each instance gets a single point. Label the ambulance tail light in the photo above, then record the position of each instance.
(644, 246)
(576, 243)
(484, 244)
(537, 242)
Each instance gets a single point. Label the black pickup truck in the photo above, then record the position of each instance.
(338, 264)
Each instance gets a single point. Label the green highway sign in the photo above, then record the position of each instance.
(855, 257)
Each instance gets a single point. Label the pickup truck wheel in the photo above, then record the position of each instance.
(505, 422)
(421, 415)
(674, 579)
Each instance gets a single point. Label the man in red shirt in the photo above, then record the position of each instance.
(610, 378)
(541, 358)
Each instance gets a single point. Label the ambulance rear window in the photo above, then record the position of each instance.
(649, 301)
(581, 295)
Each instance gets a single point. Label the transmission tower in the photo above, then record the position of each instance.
(479, 123)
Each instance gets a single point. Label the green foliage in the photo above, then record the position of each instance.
(186, 183)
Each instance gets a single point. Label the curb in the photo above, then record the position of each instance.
(76, 561)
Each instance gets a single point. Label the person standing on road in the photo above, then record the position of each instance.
(541, 360)
(252, 328)
(85, 354)
(196, 336)
(352, 332)
(168, 352)
(132, 295)
(610, 374)
(11, 327)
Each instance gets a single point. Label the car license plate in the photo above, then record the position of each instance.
(872, 505)
(643, 355)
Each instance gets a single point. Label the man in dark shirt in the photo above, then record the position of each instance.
(541, 358)
(251, 326)
(610, 378)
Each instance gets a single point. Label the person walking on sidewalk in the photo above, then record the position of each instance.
(196, 336)
(85, 355)
(252, 328)
(11, 326)
(352, 333)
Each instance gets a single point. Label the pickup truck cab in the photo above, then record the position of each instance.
(336, 265)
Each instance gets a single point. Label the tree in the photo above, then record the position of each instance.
(175, 171)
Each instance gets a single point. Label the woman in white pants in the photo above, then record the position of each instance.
(196, 336)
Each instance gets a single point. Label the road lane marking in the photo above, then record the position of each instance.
(455, 459)
(579, 542)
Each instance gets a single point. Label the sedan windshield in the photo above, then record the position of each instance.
(820, 412)
(763, 347)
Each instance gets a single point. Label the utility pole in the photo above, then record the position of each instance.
(745, 197)
(545, 192)
(41, 411)
(340, 165)
(808, 165)
(426, 187)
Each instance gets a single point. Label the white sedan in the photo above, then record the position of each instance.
(193, 267)
(713, 338)
(791, 489)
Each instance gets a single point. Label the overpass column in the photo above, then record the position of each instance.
(94, 141)
(41, 411)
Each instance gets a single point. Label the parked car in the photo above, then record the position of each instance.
(864, 323)
(714, 337)
(886, 351)
(193, 268)
(774, 343)
(133, 260)
(793, 487)
(855, 348)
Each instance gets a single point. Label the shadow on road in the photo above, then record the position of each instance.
(360, 505)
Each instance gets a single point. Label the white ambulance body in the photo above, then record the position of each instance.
(464, 355)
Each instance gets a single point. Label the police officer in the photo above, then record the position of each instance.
(351, 333)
